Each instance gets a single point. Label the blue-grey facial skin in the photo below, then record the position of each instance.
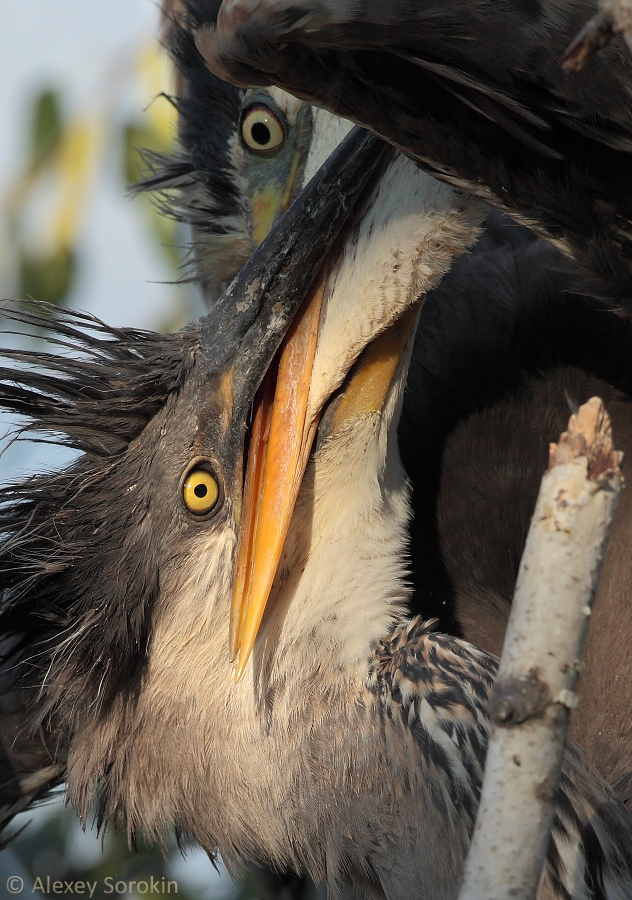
(274, 176)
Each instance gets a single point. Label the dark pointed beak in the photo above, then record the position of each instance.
(249, 321)
(270, 312)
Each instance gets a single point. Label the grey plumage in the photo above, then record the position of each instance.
(421, 711)
(83, 631)
(491, 338)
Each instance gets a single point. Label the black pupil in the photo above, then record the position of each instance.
(260, 134)
(200, 490)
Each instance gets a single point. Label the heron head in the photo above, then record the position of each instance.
(160, 421)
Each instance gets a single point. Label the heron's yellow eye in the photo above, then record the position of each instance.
(261, 130)
(200, 491)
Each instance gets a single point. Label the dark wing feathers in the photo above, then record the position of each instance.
(32, 763)
(503, 320)
(473, 91)
(505, 351)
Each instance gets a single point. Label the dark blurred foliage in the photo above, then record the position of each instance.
(48, 848)
(44, 276)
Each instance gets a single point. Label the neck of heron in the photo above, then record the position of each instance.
(243, 746)
(342, 580)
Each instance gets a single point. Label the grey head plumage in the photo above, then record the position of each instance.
(88, 643)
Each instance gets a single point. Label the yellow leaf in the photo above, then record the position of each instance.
(156, 76)
(78, 157)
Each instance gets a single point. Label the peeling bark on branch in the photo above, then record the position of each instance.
(614, 17)
(535, 686)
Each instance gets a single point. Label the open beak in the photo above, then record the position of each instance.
(283, 429)
(280, 444)
(261, 337)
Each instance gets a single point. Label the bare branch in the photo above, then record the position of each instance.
(614, 17)
(535, 687)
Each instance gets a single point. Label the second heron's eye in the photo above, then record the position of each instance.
(200, 491)
(261, 130)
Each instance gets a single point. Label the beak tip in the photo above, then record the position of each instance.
(233, 648)
(240, 668)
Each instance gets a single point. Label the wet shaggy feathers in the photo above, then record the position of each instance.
(88, 640)
(418, 711)
(99, 396)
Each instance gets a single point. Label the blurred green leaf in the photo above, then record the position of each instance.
(46, 127)
(48, 278)
(165, 232)
(136, 140)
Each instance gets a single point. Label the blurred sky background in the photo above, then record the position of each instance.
(99, 60)
(88, 51)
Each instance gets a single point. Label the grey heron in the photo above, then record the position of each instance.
(118, 588)
(177, 646)
(503, 321)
